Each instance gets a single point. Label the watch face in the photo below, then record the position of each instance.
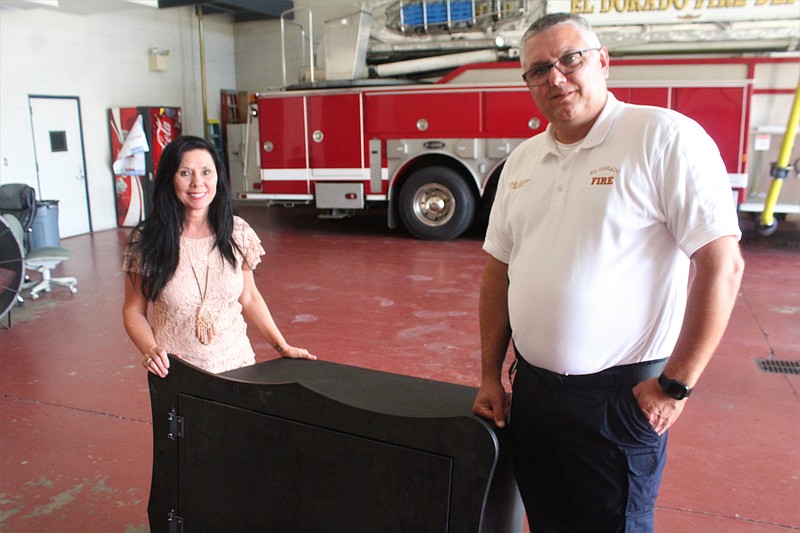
(676, 390)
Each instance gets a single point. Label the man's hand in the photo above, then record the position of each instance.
(661, 410)
(492, 403)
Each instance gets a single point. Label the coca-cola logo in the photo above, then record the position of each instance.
(163, 131)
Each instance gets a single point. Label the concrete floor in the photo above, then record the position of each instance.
(75, 429)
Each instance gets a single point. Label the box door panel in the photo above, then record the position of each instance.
(221, 474)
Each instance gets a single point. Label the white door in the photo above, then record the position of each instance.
(58, 141)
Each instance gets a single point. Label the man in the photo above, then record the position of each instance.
(592, 233)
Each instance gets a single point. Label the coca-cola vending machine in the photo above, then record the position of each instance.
(138, 137)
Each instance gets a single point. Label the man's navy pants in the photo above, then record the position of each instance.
(586, 458)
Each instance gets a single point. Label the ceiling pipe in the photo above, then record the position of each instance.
(426, 64)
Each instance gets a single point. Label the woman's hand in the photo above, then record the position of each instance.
(291, 352)
(155, 360)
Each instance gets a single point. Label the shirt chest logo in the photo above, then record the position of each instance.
(605, 175)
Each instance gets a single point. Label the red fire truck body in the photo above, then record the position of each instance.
(433, 153)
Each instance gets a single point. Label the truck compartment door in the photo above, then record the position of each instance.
(283, 152)
(334, 133)
(722, 113)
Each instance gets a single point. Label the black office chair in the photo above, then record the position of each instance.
(19, 200)
(18, 208)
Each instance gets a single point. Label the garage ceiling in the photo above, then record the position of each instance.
(242, 10)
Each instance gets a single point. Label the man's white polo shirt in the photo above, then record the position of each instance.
(598, 242)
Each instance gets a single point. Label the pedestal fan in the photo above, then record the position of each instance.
(12, 270)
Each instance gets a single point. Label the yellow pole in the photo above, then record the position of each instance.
(791, 128)
(780, 169)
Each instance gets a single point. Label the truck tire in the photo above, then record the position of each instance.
(436, 203)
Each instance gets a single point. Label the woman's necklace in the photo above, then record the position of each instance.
(206, 329)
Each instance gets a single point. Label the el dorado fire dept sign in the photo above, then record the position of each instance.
(613, 12)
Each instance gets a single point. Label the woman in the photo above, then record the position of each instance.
(193, 259)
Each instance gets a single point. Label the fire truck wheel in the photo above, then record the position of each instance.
(436, 203)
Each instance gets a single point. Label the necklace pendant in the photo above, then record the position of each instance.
(205, 325)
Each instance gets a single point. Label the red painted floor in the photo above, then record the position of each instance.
(75, 448)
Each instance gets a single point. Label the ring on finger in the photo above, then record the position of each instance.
(149, 359)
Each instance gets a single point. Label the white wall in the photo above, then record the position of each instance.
(258, 55)
(102, 59)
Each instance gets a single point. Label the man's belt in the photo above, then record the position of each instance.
(614, 376)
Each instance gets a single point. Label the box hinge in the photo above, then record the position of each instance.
(175, 522)
(175, 425)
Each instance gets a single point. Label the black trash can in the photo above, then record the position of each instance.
(44, 231)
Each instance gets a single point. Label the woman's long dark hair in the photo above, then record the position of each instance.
(155, 242)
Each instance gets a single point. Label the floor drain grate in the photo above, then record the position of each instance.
(777, 366)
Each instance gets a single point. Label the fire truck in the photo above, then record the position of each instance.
(432, 152)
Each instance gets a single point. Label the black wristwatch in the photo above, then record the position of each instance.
(674, 388)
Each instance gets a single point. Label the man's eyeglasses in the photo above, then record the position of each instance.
(566, 64)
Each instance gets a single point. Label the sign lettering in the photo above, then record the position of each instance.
(606, 12)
